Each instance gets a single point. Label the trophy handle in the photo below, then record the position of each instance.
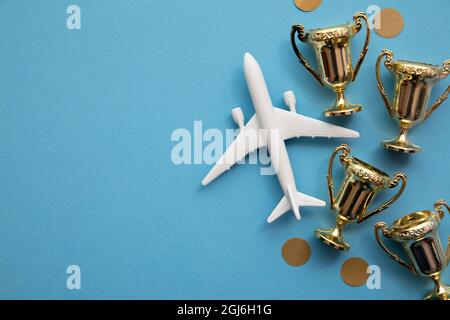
(358, 25)
(383, 227)
(389, 56)
(442, 98)
(437, 207)
(301, 36)
(447, 253)
(343, 158)
(392, 184)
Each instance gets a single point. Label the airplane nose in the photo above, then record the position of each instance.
(248, 58)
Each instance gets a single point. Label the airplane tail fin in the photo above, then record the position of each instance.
(293, 200)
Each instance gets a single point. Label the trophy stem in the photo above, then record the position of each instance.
(341, 105)
(401, 143)
(440, 292)
(333, 237)
(447, 252)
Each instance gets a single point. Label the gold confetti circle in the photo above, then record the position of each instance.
(354, 271)
(390, 23)
(307, 5)
(296, 252)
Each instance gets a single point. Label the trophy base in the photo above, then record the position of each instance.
(401, 146)
(340, 110)
(441, 292)
(329, 238)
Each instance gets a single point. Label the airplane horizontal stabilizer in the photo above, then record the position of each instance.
(301, 199)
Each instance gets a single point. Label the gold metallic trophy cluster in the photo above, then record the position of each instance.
(416, 232)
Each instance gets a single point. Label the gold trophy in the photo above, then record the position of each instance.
(361, 184)
(417, 233)
(332, 50)
(413, 84)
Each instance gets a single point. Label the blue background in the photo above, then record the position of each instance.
(86, 178)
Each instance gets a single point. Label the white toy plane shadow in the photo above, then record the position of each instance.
(269, 127)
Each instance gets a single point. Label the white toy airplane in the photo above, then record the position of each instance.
(279, 125)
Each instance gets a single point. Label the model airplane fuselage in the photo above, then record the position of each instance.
(273, 126)
(269, 121)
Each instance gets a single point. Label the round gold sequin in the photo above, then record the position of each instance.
(354, 271)
(296, 252)
(307, 5)
(390, 23)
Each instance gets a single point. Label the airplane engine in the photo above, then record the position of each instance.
(289, 99)
(238, 117)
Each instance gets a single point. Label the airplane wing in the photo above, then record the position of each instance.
(252, 138)
(248, 140)
(296, 125)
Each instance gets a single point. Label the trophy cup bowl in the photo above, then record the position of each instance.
(333, 55)
(362, 183)
(417, 234)
(413, 84)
